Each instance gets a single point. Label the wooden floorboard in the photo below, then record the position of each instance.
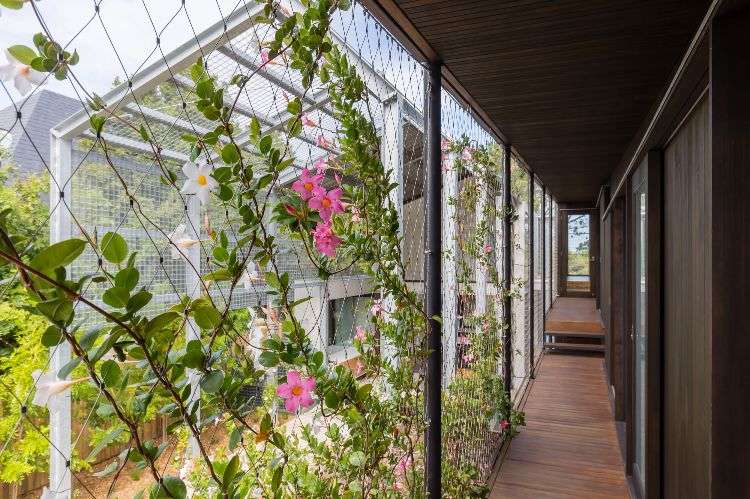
(569, 445)
(574, 314)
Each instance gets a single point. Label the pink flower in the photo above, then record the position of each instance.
(464, 340)
(446, 164)
(377, 308)
(356, 216)
(337, 177)
(445, 144)
(322, 142)
(296, 391)
(325, 240)
(403, 464)
(468, 358)
(321, 165)
(361, 334)
(327, 203)
(265, 57)
(359, 368)
(488, 248)
(307, 121)
(306, 184)
(504, 424)
(466, 154)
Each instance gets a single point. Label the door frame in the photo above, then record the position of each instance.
(562, 285)
(654, 314)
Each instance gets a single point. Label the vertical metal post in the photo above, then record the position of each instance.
(543, 240)
(433, 300)
(392, 154)
(60, 429)
(507, 274)
(531, 274)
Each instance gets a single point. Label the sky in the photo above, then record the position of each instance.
(122, 39)
(128, 25)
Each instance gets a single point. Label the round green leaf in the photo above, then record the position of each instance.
(357, 458)
(52, 336)
(211, 382)
(114, 248)
(116, 297)
(230, 154)
(127, 278)
(175, 488)
(110, 372)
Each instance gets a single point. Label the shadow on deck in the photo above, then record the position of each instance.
(569, 446)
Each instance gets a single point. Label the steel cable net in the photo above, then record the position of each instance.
(521, 259)
(478, 414)
(137, 393)
(167, 343)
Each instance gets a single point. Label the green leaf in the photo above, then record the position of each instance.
(161, 321)
(265, 144)
(108, 470)
(212, 381)
(268, 359)
(127, 278)
(144, 133)
(332, 399)
(206, 317)
(23, 54)
(357, 458)
(12, 4)
(52, 336)
(104, 442)
(65, 371)
(110, 372)
(114, 248)
(294, 106)
(194, 356)
(218, 275)
(58, 255)
(254, 128)
(230, 154)
(116, 297)
(235, 437)
(174, 488)
(139, 300)
(231, 470)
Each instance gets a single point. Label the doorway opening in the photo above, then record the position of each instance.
(578, 272)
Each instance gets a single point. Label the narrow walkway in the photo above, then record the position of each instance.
(569, 446)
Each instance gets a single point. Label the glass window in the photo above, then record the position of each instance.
(346, 314)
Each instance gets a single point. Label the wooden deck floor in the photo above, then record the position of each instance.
(569, 447)
(574, 314)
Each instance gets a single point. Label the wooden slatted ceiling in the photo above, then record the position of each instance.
(568, 81)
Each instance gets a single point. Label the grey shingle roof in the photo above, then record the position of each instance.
(30, 145)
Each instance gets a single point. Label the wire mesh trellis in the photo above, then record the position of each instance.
(116, 182)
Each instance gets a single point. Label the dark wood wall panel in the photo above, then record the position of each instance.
(687, 305)
(730, 258)
(617, 305)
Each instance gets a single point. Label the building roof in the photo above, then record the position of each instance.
(30, 143)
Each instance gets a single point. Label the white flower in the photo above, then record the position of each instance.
(181, 241)
(47, 385)
(250, 276)
(23, 76)
(199, 181)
